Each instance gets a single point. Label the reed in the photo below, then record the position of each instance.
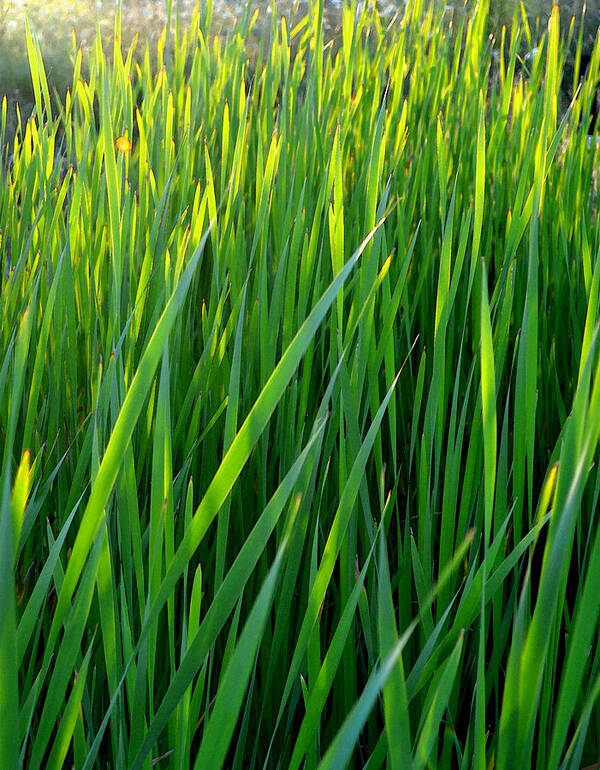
(300, 402)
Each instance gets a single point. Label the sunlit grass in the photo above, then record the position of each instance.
(300, 402)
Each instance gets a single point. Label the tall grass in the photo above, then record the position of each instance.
(300, 403)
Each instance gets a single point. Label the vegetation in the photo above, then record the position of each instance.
(300, 403)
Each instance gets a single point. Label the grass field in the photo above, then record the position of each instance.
(300, 403)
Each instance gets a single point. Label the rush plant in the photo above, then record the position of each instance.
(300, 401)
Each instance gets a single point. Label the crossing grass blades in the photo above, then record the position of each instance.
(300, 402)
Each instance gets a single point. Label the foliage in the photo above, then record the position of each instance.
(300, 403)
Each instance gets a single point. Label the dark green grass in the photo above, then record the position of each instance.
(300, 403)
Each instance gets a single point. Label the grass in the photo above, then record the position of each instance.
(300, 402)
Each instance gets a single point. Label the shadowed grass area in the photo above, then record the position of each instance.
(300, 401)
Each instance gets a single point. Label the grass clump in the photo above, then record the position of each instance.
(300, 404)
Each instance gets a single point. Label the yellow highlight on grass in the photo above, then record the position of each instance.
(547, 495)
(20, 494)
(123, 144)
